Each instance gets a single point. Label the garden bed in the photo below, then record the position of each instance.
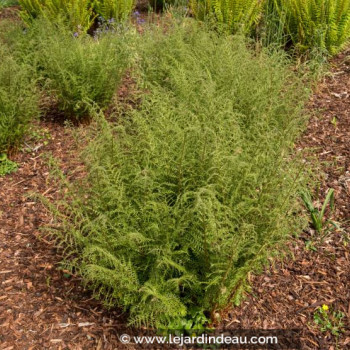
(43, 306)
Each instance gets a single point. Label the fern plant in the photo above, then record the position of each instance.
(316, 24)
(194, 189)
(77, 13)
(235, 15)
(77, 71)
(118, 10)
(18, 100)
(7, 3)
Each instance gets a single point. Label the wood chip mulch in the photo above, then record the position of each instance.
(288, 294)
(42, 307)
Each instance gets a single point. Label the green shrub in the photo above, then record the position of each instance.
(77, 13)
(195, 188)
(235, 15)
(18, 101)
(316, 24)
(79, 71)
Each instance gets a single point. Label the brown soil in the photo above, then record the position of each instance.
(43, 307)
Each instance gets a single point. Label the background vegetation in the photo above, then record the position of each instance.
(18, 100)
(322, 25)
(79, 14)
(76, 71)
(306, 25)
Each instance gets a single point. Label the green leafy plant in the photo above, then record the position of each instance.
(316, 24)
(329, 321)
(334, 122)
(318, 216)
(7, 3)
(18, 100)
(310, 245)
(193, 189)
(117, 10)
(271, 30)
(79, 71)
(235, 15)
(195, 321)
(6, 165)
(77, 13)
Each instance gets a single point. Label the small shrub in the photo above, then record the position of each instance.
(18, 101)
(316, 24)
(78, 70)
(194, 189)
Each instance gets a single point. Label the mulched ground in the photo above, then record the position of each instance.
(288, 294)
(10, 13)
(42, 307)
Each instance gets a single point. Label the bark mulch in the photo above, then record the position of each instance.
(287, 295)
(43, 307)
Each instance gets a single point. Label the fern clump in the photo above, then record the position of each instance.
(235, 15)
(18, 100)
(78, 14)
(195, 188)
(77, 70)
(322, 25)
(118, 10)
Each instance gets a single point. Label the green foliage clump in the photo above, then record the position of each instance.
(194, 189)
(18, 100)
(114, 9)
(7, 3)
(6, 165)
(235, 15)
(322, 25)
(77, 13)
(329, 320)
(78, 71)
(310, 25)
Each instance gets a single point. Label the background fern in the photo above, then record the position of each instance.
(322, 25)
(78, 14)
(114, 9)
(235, 15)
(76, 71)
(194, 189)
(18, 100)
